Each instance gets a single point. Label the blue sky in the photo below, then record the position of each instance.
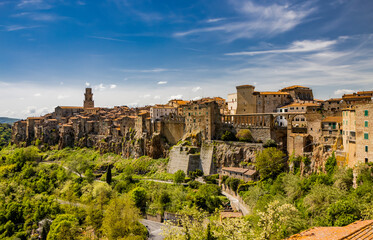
(137, 52)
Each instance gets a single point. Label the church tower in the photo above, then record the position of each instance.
(88, 100)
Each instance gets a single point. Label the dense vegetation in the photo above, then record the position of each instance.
(5, 134)
(67, 194)
(284, 203)
(79, 193)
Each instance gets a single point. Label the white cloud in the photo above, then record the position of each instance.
(157, 97)
(87, 84)
(100, 87)
(37, 94)
(146, 96)
(162, 82)
(109, 38)
(179, 96)
(13, 28)
(343, 91)
(295, 47)
(213, 20)
(257, 20)
(112, 86)
(195, 89)
(153, 70)
(36, 4)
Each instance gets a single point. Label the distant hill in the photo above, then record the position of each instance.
(8, 120)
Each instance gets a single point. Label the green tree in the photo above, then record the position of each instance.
(330, 164)
(65, 226)
(89, 175)
(342, 212)
(108, 175)
(121, 220)
(270, 162)
(138, 195)
(179, 176)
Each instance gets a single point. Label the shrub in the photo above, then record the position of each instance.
(179, 176)
(244, 135)
(228, 136)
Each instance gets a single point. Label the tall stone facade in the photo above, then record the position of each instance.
(88, 100)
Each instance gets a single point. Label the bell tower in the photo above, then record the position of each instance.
(88, 98)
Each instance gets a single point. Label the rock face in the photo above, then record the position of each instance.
(212, 156)
(121, 130)
(231, 154)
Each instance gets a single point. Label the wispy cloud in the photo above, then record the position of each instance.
(13, 28)
(257, 20)
(196, 89)
(35, 4)
(162, 82)
(295, 47)
(109, 38)
(153, 70)
(213, 20)
(36, 16)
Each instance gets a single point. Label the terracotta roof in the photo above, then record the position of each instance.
(67, 107)
(365, 92)
(356, 230)
(235, 169)
(250, 172)
(35, 118)
(302, 105)
(355, 97)
(273, 93)
(294, 87)
(163, 106)
(332, 119)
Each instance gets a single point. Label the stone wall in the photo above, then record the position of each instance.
(207, 163)
(184, 158)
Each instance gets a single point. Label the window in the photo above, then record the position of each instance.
(366, 124)
(366, 160)
(366, 148)
(366, 113)
(366, 136)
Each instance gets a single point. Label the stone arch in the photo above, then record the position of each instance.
(298, 123)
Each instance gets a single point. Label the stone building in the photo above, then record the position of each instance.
(357, 134)
(299, 93)
(247, 100)
(88, 100)
(240, 173)
(232, 103)
(202, 117)
(331, 133)
(159, 111)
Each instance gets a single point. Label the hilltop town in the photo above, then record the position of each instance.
(290, 118)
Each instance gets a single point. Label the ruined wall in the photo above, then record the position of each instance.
(184, 158)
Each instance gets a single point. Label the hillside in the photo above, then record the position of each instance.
(8, 120)
(5, 134)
